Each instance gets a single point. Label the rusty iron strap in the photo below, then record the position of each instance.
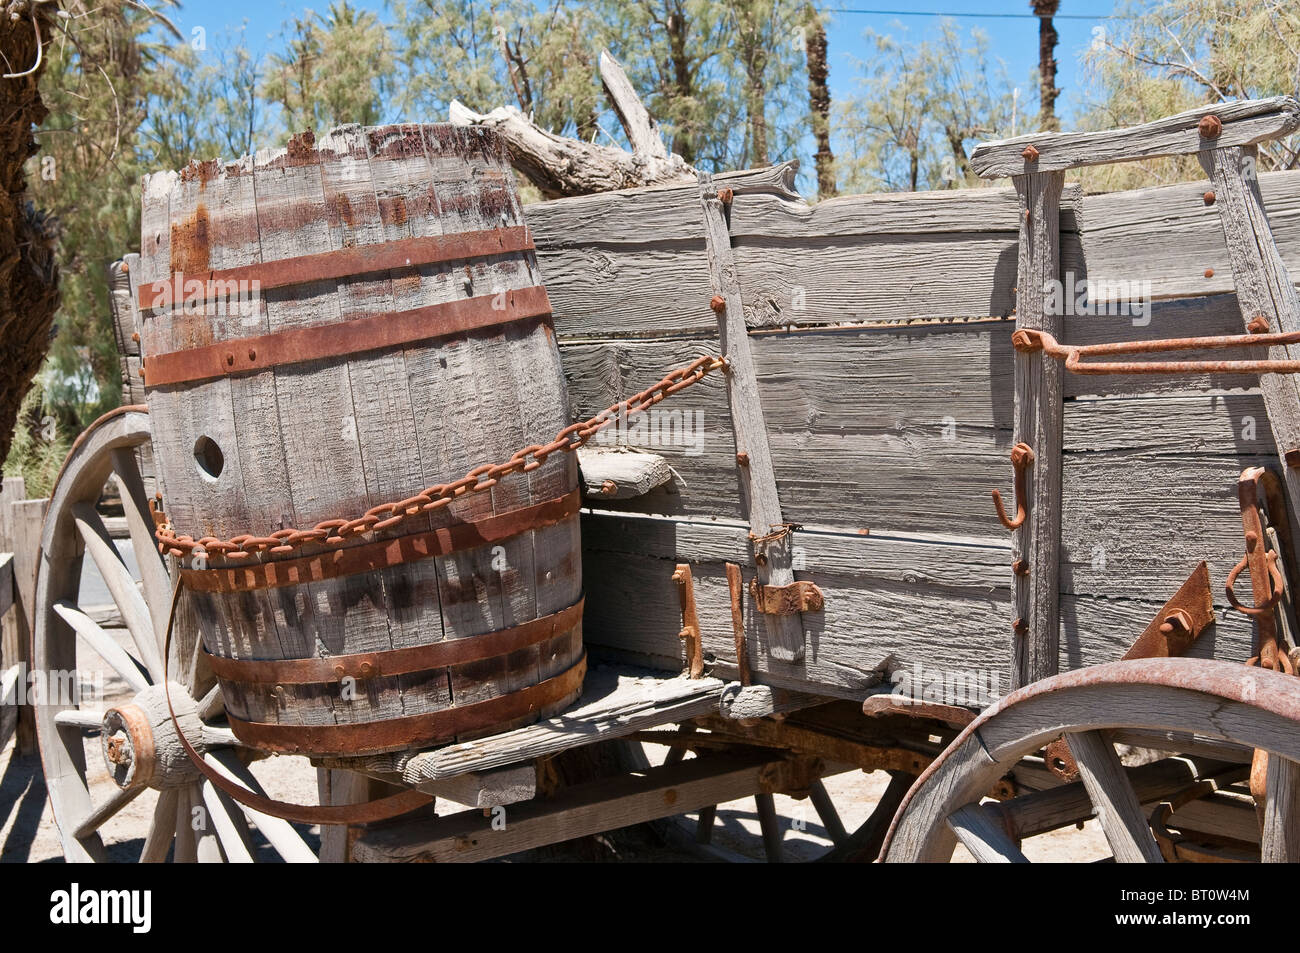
(381, 554)
(1027, 340)
(341, 263)
(383, 516)
(411, 730)
(391, 662)
(374, 332)
(799, 596)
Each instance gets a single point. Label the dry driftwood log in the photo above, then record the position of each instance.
(560, 166)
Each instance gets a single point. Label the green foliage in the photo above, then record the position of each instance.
(336, 69)
(101, 72)
(1179, 54)
(922, 107)
(40, 444)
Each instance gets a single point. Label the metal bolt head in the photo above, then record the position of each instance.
(252, 354)
(1210, 127)
(725, 196)
(718, 303)
(1020, 627)
(135, 336)
(366, 670)
(742, 458)
(1209, 198)
(230, 360)
(608, 488)
(1258, 325)
(1030, 154)
(1020, 567)
(1209, 272)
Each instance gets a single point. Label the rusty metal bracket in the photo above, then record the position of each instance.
(1175, 627)
(801, 596)
(1021, 457)
(736, 587)
(1178, 624)
(690, 633)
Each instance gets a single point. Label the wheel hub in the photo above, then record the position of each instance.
(140, 744)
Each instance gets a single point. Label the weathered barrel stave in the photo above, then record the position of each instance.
(330, 438)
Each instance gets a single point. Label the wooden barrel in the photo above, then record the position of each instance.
(333, 326)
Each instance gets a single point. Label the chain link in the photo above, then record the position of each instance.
(385, 516)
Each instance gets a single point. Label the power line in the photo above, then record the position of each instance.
(987, 16)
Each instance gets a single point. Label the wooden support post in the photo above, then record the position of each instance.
(1038, 423)
(1263, 288)
(758, 497)
(20, 534)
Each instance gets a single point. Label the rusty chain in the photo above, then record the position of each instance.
(384, 516)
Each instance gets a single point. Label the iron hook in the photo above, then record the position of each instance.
(1021, 457)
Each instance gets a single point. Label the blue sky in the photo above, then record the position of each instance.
(1013, 39)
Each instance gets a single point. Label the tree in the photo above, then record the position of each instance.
(540, 58)
(819, 102)
(336, 69)
(922, 106)
(29, 276)
(102, 68)
(1155, 61)
(1047, 40)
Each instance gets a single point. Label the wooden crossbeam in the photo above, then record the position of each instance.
(758, 496)
(575, 812)
(1243, 124)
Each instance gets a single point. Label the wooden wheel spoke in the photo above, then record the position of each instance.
(132, 671)
(139, 522)
(102, 812)
(212, 704)
(229, 824)
(278, 832)
(825, 809)
(80, 719)
(979, 832)
(129, 601)
(1118, 810)
(187, 844)
(1280, 843)
(162, 829)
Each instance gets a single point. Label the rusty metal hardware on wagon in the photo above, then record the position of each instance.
(690, 633)
(384, 516)
(736, 590)
(1257, 489)
(1021, 457)
(1027, 340)
(1175, 627)
(799, 596)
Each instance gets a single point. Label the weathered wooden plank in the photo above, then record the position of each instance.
(21, 522)
(1264, 288)
(884, 605)
(1169, 237)
(1243, 123)
(615, 702)
(6, 584)
(614, 473)
(759, 502)
(1039, 388)
(1280, 843)
(581, 810)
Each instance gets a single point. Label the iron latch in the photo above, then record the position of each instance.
(787, 600)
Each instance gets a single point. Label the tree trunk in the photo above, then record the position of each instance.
(819, 103)
(29, 274)
(1047, 39)
(683, 85)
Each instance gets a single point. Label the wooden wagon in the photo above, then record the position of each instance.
(800, 572)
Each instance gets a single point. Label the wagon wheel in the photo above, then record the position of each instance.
(1222, 701)
(137, 753)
